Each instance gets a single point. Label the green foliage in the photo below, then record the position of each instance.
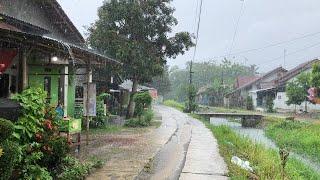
(298, 136)
(6, 129)
(191, 104)
(54, 152)
(33, 101)
(174, 104)
(219, 77)
(143, 100)
(266, 162)
(8, 159)
(162, 82)
(31, 170)
(270, 104)
(73, 169)
(100, 119)
(9, 151)
(296, 93)
(142, 121)
(136, 33)
(315, 75)
(249, 103)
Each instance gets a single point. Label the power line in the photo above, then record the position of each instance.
(237, 26)
(289, 54)
(270, 45)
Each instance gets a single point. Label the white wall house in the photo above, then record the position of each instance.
(281, 97)
(281, 106)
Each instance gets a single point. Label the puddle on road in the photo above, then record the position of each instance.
(258, 136)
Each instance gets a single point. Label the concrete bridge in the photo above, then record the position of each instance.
(247, 120)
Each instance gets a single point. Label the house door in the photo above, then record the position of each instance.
(4, 85)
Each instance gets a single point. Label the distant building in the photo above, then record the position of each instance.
(255, 87)
(281, 97)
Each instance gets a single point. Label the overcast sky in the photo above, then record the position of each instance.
(262, 22)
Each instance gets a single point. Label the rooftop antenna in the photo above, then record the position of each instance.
(284, 58)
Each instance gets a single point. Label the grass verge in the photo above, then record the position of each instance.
(300, 137)
(266, 162)
(174, 104)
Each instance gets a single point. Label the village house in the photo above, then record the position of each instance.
(255, 87)
(281, 97)
(41, 47)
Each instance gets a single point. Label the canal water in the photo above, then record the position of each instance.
(258, 136)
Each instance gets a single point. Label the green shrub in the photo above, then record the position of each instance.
(142, 121)
(270, 104)
(6, 129)
(9, 151)
(33, 101)
(54, 152)
(30, 168)
(249, 103)
(8, 159)
(101, 118)
(74, 170)
(143, 100)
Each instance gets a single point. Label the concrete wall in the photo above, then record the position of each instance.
(280, 104)
(31, 11)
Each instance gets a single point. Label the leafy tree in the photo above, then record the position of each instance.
(137, 33)
(270, 104)
(220, 77)
(162, 83)
(304, 80)
(191, 105)
(295, 92)
(315, 75)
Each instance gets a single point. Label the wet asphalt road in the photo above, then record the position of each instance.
(190, 153)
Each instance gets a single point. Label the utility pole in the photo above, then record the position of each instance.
(190, 93)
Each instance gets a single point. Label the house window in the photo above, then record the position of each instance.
(79, 92)
(279, 97)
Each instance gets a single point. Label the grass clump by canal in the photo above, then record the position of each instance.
(174, 104)
(301, 137)
(265, 162)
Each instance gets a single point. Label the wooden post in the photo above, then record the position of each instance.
(89, 80)
(24, 69)
(65, 90)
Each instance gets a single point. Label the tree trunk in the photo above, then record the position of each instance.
(130, 108)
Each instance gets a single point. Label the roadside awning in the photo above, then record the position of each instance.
(49, 44)
(263, 90)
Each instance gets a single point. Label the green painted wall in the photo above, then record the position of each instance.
(38, 80)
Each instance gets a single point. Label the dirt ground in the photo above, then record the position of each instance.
(125, 151)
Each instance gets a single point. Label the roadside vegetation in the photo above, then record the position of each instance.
(143, 114)
(31, 148)
(300, 137)
(265, 162)
(174, 104)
